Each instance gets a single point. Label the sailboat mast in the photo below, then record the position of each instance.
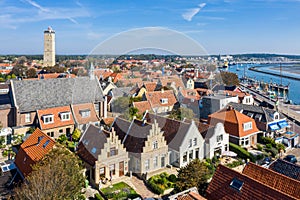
(280, 74)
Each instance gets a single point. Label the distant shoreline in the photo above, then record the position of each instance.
(272, 73)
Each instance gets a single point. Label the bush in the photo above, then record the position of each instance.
(280, 146)
(273, 151)
(154, 187)
(268, 140)
(98, 196)
(242, 153)
(259, 147)
(172, 178)
(269, 146)
(235, 163)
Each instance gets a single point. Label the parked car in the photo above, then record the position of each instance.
(290, 158)
(266, 160)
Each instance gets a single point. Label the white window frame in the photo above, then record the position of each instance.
(65, 116)
(155, 162)
(85, 113)
(164, 100)
(195, 141)
(45, 117)
(27, 117)
(155, 144)
(247, 126)
(147, 164)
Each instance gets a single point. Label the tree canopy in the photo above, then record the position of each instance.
(195, 174)
(76, 135)
(57, 176)
(229, 78)
(182, 113)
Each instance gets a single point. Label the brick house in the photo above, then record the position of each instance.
(104, 155)
(145, 143)
(56, 121)
(37, 145)
(32, 95)
(242, 129)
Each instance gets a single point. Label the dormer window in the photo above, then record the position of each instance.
(85, 113)
(247, 126)
(48, 119)
(65, 116)
(164, 101)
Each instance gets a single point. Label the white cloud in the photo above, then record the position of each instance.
(34, 4)
(190, 13)
(94, 36)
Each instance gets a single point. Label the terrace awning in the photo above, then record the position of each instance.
(274, 126)
(283, 124)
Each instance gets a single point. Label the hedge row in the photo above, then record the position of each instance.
(241, 152)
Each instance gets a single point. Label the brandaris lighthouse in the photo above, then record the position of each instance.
(49, 47)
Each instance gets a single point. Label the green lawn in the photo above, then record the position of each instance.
(119, 191)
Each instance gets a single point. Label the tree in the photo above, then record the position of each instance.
(229, 78)
(121, 104)
(57, 176)
(195, 174)
(182, 113)
(31, 73)
(18, 70)
(62, 138)
(76, 135)
(2, 142)
(211, 67)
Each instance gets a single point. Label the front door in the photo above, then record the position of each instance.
(121, 168)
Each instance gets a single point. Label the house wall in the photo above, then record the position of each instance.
(22, 116)
(174, 157)
(105, 160)
(196, 151)
(56, 130)
(249, 100)
(7, 117)
(108, 88)
(212, 104)
(149, 153)
(212, 144)
(163, 109)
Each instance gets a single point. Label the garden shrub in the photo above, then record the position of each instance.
(241, 152)
(98, 196)
(172, 178)
(259, 147)
(269, 146)
(273, 151)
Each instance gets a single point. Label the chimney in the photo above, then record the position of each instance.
(162, 90)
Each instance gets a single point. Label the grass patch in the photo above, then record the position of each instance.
(120, 191)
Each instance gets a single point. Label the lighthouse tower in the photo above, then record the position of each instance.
(49, 47)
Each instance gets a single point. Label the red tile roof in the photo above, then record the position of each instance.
(31, 151)
(150, 86)
(273, 179)
(219, 187)
(190, 94)
(155, 97)
(142, 106)
(57, 118)
(233, 122)
(82, 107)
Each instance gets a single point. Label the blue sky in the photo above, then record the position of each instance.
(220, 26)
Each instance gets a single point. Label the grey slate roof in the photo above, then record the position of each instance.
(31, 95)
(286, 168)
(267, 114)
(133, 134)
(5, 102)
(121, 92)
(174, 131)
(91, 143)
